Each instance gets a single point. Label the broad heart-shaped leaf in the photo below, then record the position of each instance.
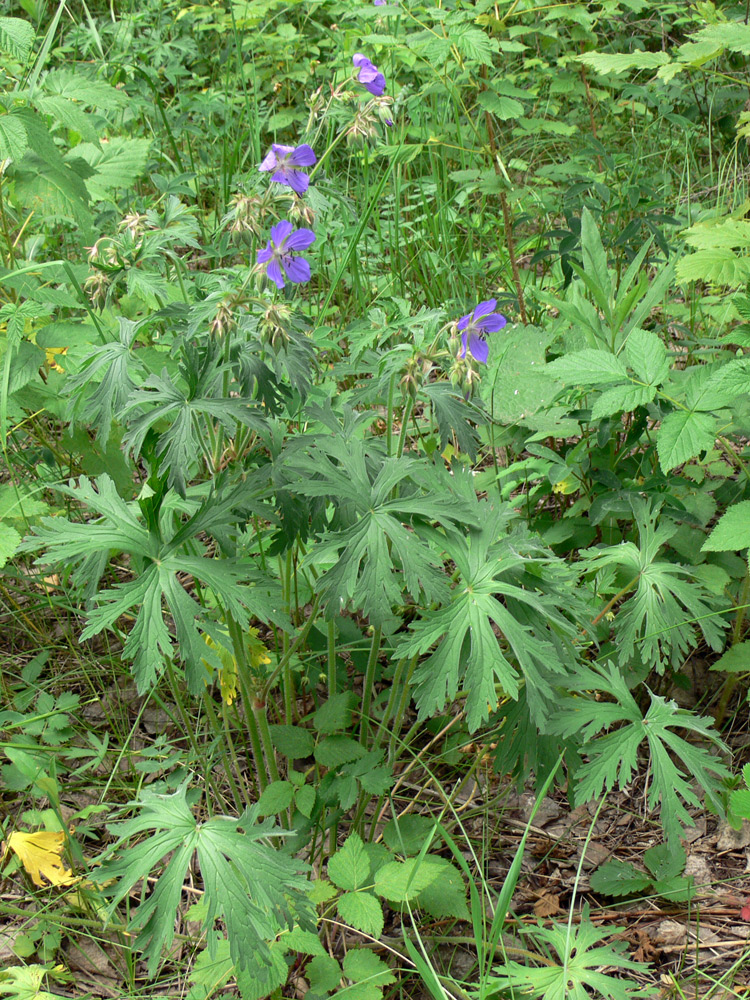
(572, 974)
(613, 757)
(683, 435)
(530, 619)
(253, 888)
(383, 505)
(732, 533)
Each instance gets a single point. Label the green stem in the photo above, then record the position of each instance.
(404, 424)
(231, 763)
(368, 684)
(731, 682)
(331, 659)
(389, 416)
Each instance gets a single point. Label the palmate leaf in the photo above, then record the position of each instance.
(201, 394)
(253, 888)
(530, 621)
(159, 590)
(116, 368)
(378, 549)
(657, 620)
(577, 955)
(613, 757)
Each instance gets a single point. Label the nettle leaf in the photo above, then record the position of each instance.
(588, 367)
(619, 878)
(659, 622)
(647, 356)
(16, 36)
(363, 911)
(605, 63)
(683, 435)
(349, 867)
(14, 140)
(732, 533)
(613, 757)
(622, 397)
(253, 888)
(402, 881)
(493, 597)
(367, 974)
(578, 953)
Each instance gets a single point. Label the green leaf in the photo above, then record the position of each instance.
(732, 533)
(336, 713)
(617, 878)
(249, 885)
(605, 63)
(573, 971)
(117, 164)
(407, 834)
(323, 974)
(622, 397)
(211, 970)
(500, 106)
(368, 975)
(596, 272)
(717, 266)
(293, 742)
(333, 751)
(736, 660)
(446, 895)
(647, 356)
(51, 189)
(13, 138)
(16, 37)
(682, 436)
(516, 384)
(349, 867)
(10, 541)
(402, 881)
(588, 367)
(275, 798)
(363, 911)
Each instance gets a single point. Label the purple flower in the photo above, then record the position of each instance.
(279, 254)
(369, 76)
(287, 161)
(380, 3)
(475, 325)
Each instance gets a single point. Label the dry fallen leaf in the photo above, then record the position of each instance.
(41, 855)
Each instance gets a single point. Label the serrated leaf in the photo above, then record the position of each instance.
(323, 974)
(51, 189)
(588, 367)
(249, 885)
(617, 63)
(275, 798)
(622, 397)
(333, 751)
(402, 881)
(647, 356)
(717, 266)
(368, 975)
(293, 742)
(446, 896)
(349, 867)
(16, 36)
(10, 541)
(682, 436)
(732, 533)
(363, 912)
(736, 660)
(618, 878)
(407, 834)
(336, 713)
(500, 106)
(117, 164)
(13, 138)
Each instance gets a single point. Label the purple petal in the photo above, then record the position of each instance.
(274, 273)
(269, 161)
(479, 348)
(372, 79)
(300, 240)
(463, 323)
(265, 255)
(303, 156)
(484, 307)
(282, 151)
(297, 269)
(297, 181)
(359, 60)
(280, 231)
(380, 3)
(491, 323)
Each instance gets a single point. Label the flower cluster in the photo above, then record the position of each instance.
(278, 256)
